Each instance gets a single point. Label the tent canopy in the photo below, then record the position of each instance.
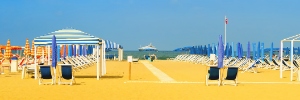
(68, 36)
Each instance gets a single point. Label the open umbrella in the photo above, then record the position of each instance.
(254, 55)
(8, 54)
(54, 53)
(220, 52)
(248, 50)
(271, 52)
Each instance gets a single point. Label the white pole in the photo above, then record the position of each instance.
(43, 55)
(292, 57)
(281, 48)
(225, 30)
(97, 62)
(101, 63)
(35, 62)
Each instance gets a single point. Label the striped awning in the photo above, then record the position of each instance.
(68, 36)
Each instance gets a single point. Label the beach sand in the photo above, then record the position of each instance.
(144, 85)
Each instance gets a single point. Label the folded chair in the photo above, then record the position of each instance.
(66, 74)
(46, 74)
(213, 74)
(232, 73)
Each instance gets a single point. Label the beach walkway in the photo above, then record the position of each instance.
(158, 73)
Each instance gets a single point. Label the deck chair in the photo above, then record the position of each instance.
(67, 74)
(6, 63)
(232, 73)
(46, 74)
(213, 74)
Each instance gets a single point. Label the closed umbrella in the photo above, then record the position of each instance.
(232, 51)
(71, 51)
(227, 50)
(271, 52)
(263, 52)
(215, 49)
(64, 52)
(32, 49)
(239, 50)
(39, 52)
(254, 55)
(80, 50)
(205, 50)
(54, 52)
(248, 50)
(27, 48)
(298, 53)
(258, 50)
(220, 52)
(8, 54)
(74, 51)
(242, 51)
(58, 52)
(208, 51)
(200, 50)
(1, 55)
(287, 51)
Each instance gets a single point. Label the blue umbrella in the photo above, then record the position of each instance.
(54, 52)
(213, 48)
(65, 52)
(58, 52)
(71, 50)
(239, 50)
(232, 52)
(287, 51)
(208, 51)
(262, 52)
(248, 50)
(200, 50)
(227, 50)
(83, 50)
(298, 53)
(271, 52)
(74, 51)
(217, 50)
(220, 53)
(210, 48)
(254, 55)
(230, 49)
(258, 50)
(205, 50)
(242, 52)
(80, 50)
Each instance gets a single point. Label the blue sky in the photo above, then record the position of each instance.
(167, 24)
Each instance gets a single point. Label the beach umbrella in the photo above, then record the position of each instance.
(32, 49)
(27, 48)
(271, 52)
(54, 53)
(232, 51)
(217, 50)
(85, 51)
(287, 51)
(298, 53)
(200, 50)
(242, 52)
(58, 52)
(220, 52)
(71, 51)
(258, 50)
(39, 51)
(208, 51)
(262, 56)
(248, 50)
(8, 54)
(74, 51)
(239, 50)
(213, 48)
(210, 48)
(227, 50)
(205, 50)
(254, 55)
(79, 50)
(64, 52)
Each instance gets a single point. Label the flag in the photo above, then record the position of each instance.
(225, 20)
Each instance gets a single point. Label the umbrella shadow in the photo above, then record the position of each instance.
(95, 76)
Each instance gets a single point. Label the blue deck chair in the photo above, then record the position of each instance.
(232, 73)
(67, 74)
(45, 73)
(213, 74)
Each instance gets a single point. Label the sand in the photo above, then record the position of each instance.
(144, 85)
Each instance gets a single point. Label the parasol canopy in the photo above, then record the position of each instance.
(27, 48)
(8, 53)
(32, 49)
